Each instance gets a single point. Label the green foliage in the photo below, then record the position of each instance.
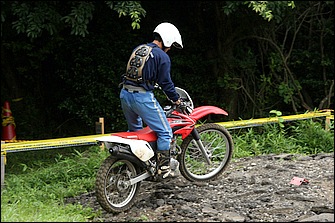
(93, 75)
(303, 137)
(231, 6)
(132, 8)
(271, 140)
(261, 8)
(268, 10)
(272, 10)
(38, 192)
(312, 138)
(29, 210)
(32, 18)
(80, 16)
(280, 119)
(286, 92)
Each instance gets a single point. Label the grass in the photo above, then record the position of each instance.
(37, 182)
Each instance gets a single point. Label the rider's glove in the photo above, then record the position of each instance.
(177, 102)
(184, 108)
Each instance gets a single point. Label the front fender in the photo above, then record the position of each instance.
(202, 111)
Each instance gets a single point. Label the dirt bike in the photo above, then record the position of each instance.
(200, 152)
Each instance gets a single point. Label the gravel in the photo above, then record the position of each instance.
(253, 189)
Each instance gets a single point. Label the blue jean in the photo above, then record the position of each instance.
(144, 107)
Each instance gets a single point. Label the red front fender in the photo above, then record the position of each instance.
(202, 111)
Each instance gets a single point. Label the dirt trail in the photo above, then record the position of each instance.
(251, 189)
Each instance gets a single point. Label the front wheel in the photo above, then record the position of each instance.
(219, 147)
(113, 190)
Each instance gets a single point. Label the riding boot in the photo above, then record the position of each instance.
(163, 163)
(174, 165)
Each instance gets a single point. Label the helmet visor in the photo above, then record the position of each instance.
(177, 45)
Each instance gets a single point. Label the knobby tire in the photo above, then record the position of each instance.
(219, 146)
(112, 191)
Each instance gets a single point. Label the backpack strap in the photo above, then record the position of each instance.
(136, 63)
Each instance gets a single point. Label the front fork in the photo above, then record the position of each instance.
(173, 146)
(197, 139)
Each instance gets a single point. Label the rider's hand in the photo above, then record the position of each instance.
(184, 108)
(177, 102)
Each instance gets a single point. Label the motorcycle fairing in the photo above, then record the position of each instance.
(139, 147)
(185, 131)
(202, 111)
(181, 126)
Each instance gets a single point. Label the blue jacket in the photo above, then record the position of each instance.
(157, 70)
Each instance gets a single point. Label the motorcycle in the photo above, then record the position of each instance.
(199, 152)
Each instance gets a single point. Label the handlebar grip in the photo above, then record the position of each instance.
(184, 108)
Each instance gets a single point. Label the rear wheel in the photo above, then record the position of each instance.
(113, 190)
(219, 147)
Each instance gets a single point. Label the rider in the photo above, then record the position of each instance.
(137, 98)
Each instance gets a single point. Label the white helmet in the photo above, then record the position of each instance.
(169, 34)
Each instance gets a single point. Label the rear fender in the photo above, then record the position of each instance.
(202, 111)
(121, 151)
(140, 148)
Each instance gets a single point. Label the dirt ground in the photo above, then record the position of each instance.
(255, 189)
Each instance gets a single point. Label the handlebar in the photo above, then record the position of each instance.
(182, 108)
(185, 107)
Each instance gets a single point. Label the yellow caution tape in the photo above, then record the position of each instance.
(262, 121)
(15, 146)
(50, 143)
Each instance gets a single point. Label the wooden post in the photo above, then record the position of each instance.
(329, 116)
(327, 127)
(100, 129)
(100, 126)
(101, 120)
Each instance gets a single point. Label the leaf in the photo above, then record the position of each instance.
(277, 113)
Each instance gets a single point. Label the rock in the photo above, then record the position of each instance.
(252, 189)
(325, 217)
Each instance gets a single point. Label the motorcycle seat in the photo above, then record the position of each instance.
(146, 134)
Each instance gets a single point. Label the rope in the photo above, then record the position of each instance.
(7, 120)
